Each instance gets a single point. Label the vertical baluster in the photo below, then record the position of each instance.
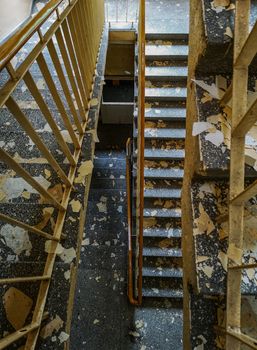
(24, 226)
(92, 29)
(75, 63)
(25, 123)
(237, 174)
(47, 114)
(11, 71)
(87, 38)
(90, 36)
(79, 52)
(78, 30)
(6, 158)
(53, 90)
(69, 71)
(61, 76)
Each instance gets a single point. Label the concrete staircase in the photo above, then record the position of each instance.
(165, 114)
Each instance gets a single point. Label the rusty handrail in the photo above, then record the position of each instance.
(140, 169)
(141, 145)
(10, 47)
(130, 291)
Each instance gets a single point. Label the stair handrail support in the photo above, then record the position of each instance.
(140, 149)
(238, 195)
(135, 290)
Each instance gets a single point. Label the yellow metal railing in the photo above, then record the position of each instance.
(121, 12)
(140, 169)
(71, 32)
(243, 119)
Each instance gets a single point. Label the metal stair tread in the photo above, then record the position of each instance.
(163, 133)
(164, 280)
(162, 252)
(169, 72)
(162, 212)
(164, 173)
(168, 193)
(162, 293)
(171, 272)
(157, 232)
(166, 93)
(165, 114)
(154, 51)
(158, 29)
(164, 154)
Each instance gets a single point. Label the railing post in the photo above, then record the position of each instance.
(236, 184)
(140, 148)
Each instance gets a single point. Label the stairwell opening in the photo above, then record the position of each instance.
(118, 92)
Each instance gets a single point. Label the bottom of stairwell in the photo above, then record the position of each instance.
(103, 318)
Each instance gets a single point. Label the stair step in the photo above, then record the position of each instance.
(163, 133)
(164, 262)
(162, 293)
(162, 252)
(166, 52)
(162, 272)
(161, 30)
(162, 213)
(164, 154)
(32, 214)
(165, 94)
(164, 173)
(174, 73)
(165, 114)
(13, 186)
(20, 145)
(9, 124)
(157, 232)
(162, 232)
(169, 193)
(180, 35)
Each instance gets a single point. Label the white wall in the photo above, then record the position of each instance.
(12, 14)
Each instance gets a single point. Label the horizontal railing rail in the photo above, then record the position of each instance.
(60, 45)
